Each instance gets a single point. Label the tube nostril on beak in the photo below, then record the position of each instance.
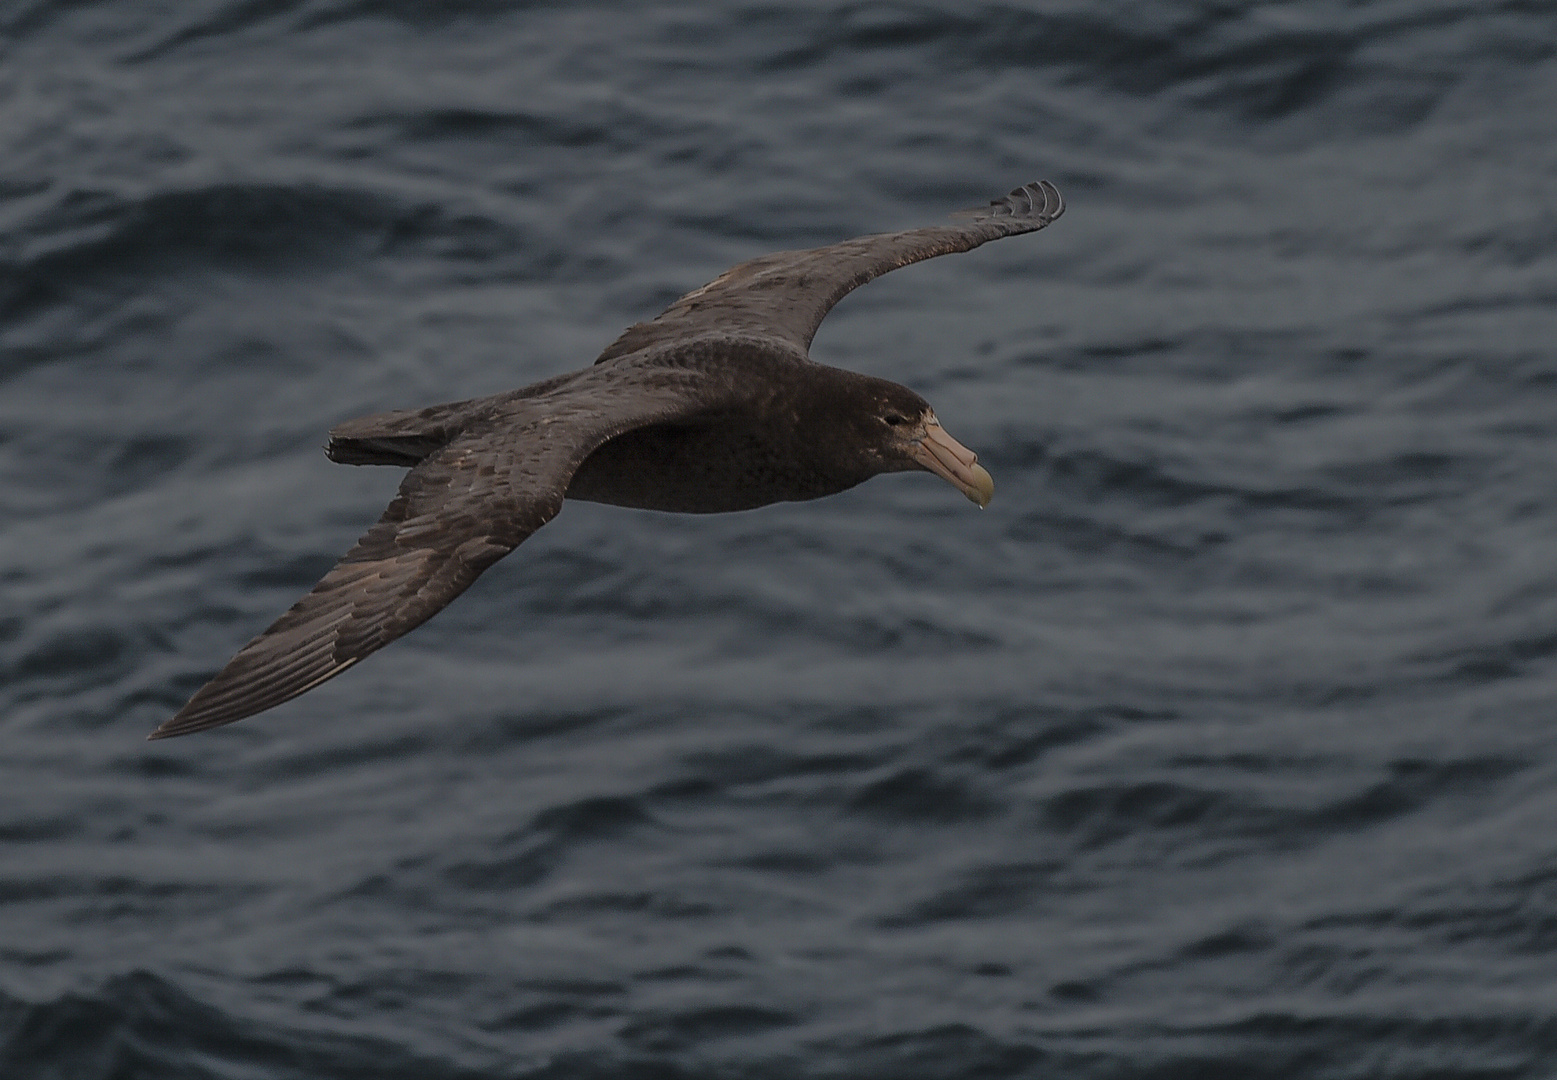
(943, 455)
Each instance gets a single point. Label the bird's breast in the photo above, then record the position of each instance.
(705, 468)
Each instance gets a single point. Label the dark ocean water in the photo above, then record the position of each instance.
(1222, 745)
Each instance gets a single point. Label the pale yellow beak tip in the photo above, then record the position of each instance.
(983, 487)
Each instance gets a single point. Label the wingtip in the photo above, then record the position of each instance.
(1039, 199)
(215, 705)
(1052, 197)
(1043, 199)
(174, 726)
(193, 717)
(188, 722)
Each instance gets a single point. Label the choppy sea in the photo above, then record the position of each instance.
(1223, 745)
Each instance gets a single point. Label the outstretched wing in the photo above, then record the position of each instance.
(787, 294)
(461, 509)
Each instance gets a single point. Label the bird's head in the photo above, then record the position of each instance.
(904, 435)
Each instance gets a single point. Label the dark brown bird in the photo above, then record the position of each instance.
(712, 406)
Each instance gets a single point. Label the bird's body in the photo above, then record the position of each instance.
(760, 447)
(713, 406)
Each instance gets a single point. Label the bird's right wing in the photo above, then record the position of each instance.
(461, 509)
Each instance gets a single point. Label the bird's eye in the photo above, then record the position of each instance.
(895, 419)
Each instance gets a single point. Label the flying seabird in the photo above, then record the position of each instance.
(712, 406)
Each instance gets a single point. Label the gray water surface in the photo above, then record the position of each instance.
(1221, 745)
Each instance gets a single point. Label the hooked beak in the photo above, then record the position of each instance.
(947, 458)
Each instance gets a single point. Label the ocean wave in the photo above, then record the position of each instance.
(87, 239)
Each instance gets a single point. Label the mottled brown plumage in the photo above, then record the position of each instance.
(712, 406)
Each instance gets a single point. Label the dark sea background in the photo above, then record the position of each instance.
(1222, 745)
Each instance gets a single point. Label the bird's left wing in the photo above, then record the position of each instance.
(464, 507)
(784, 296)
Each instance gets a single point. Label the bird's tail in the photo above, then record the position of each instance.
(403, 437)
